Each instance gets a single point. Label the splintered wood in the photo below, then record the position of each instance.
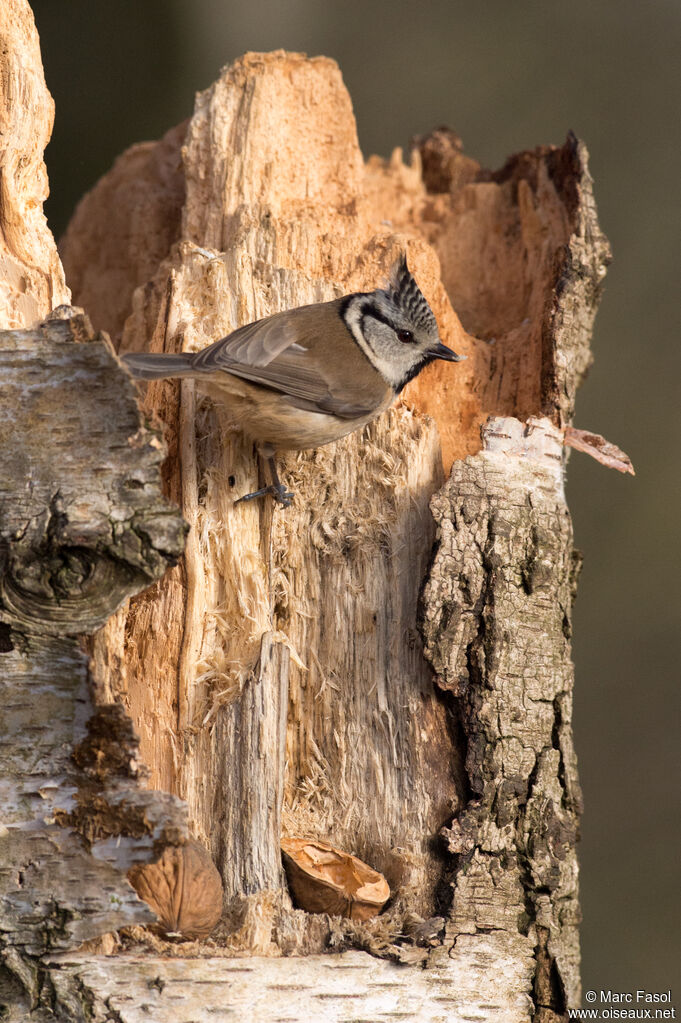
(277, 678)
(31, 274)
(331, 587)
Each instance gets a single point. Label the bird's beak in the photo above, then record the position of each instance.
(442, 352)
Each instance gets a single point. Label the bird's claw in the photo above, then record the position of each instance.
(283, 496)
(280, 494)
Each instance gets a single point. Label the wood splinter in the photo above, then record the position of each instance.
(599, 448)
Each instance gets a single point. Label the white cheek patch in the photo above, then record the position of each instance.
(353, 320)
(388, 370)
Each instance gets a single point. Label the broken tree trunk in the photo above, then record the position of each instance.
(277, 677)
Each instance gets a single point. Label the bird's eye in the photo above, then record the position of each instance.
(405, 336)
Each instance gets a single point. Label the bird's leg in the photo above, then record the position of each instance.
(276, 488)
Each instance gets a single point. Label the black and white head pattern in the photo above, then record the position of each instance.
(395, 327)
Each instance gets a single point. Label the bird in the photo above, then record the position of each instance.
(305, 377)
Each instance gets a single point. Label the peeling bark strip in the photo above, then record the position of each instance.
(599, 448)
(276, 677)
(82, 525)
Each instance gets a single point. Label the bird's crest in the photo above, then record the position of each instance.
(407, 295)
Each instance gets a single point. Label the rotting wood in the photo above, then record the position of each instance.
(30, 270)
(348, 552)
(599, 448)
(377, 759)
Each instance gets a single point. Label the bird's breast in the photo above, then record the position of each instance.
(272, 420)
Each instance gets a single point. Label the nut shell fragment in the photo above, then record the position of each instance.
(183, 888)
(326, 880)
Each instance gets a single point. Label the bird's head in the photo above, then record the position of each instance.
(396, 328)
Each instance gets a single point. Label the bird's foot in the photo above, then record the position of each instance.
(279, 492)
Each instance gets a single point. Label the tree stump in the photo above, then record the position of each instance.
(386, 665)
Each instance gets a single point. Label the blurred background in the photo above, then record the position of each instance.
(505, 76)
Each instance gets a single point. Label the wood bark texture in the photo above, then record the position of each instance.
(83, 524)
(293, 675)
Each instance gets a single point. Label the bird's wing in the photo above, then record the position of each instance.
(283, 354)
(256, 344)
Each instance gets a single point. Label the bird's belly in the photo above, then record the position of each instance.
(270, 420)
(302, 430)
(284, 428)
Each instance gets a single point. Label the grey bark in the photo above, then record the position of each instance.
(496, 624)
(82, 525)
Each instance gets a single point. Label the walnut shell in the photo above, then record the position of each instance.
(327, 880)
(183, 888)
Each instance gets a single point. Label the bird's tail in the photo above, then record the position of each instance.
(146, 366)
